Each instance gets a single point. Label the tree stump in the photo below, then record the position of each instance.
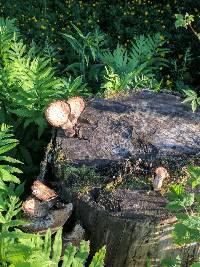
(133, 224)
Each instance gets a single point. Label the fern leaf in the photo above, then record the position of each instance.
(15, 223)
(6, 148)
(57, 246)
(47, 243)
(9, 159)
(69, 254)
(8, 177)
(2, 220)
(73, 42)
(98, 259)
(82, 254)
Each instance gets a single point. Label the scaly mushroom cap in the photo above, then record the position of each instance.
(34, 207)
(42, 191)
(57, 113)
(77, 105)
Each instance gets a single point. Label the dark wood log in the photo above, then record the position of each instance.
(134, 225)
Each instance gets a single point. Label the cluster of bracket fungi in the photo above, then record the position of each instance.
(65, 113)
(43, 210)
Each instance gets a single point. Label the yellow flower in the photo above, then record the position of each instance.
(43, 27)
(34, 19)
(169, 82)
(146, 13)
(162, 37)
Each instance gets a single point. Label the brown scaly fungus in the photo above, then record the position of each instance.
(42, 192)
(34, 207)
(77, 105)
(64, 114)
(38, 212)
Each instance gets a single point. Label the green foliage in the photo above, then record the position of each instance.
(186, 21)
(135, 69)
(87, 47)
(34, 250)
(120, 20)
(172, 262)
(186, 206)
(192, 98)
(21, 249)
(28, 83)
(9, 192)
(183, 21)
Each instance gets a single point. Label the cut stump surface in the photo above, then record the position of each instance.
(151, 126)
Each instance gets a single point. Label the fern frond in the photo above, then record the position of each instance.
(69, 254)
(57, 246)
(98, 259)
(8, 32)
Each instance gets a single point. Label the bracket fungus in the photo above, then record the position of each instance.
(42, 211)
(64, 114)
(161, 174)
(77, 105)
(43, 192)
(34, 207)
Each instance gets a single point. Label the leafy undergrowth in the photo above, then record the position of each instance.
(17, 248)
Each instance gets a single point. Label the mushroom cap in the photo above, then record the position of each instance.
(57, 113)
(34, 207)
(77, 105)
(42, 192)
(161, 172)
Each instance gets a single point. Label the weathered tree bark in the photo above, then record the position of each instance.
(135, 225)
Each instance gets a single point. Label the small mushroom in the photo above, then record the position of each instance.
(77, 105)
(35, 208)
(161, 174)
(43, 192)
